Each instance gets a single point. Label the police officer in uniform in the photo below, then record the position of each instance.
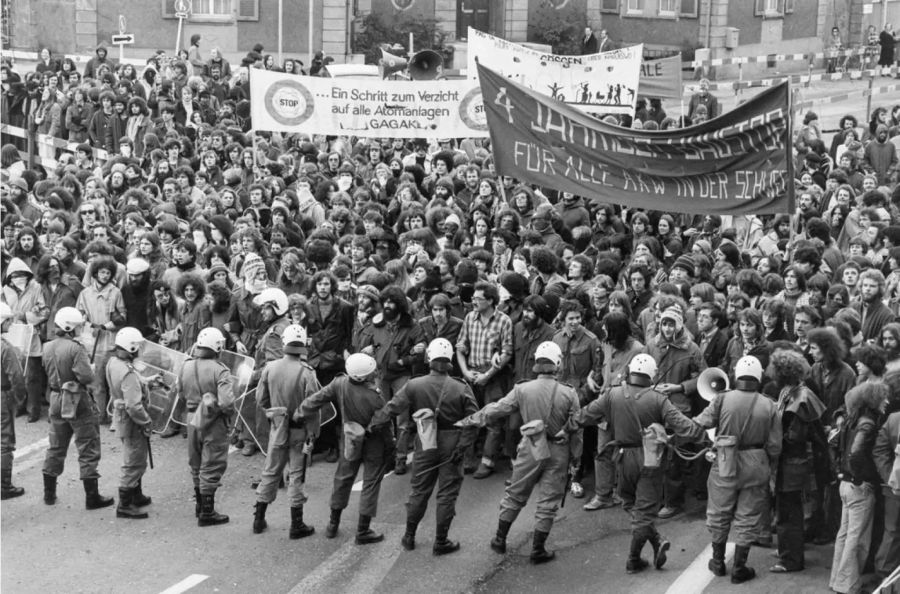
(630, 410)
(73, 412)
(283, 385)
(206, 386)
(444, 400)
(545, 451)
(12, 389)
(739, 499)
(357, 397)
(132, 421)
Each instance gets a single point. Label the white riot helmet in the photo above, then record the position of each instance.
(360, 366)
(439, 348)
(641, 370)
(68, 319)
(212, 339)
(293, 339)
(129, 339)
(748, 367)
(550, 351)
(274, 297)
(5, 312)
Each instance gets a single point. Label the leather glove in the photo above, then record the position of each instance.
(147, 430)
(457, 456)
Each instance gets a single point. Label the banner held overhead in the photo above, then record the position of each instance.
(738, 163)
(366, 107)
(661, 78)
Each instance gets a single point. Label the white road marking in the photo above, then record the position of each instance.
(32, 447)
(367, 566)
(697, 576)
(186, 584)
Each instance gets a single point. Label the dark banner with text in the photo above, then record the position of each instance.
(738, 163)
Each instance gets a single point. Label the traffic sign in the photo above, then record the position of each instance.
(123, 24)
(181, 15)
(182, 7)
(123, 39)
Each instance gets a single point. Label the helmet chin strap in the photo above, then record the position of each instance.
(640, 380)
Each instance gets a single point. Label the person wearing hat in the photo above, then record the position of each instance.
(551, 444)
(435, 402)
(358, 399)
(283, 385)
(683, 363)
(135, 293)
(132, 421)
(632, 409)
(682, 271)
(205, 385)
(73, 410)
(739, 497)
(12, 390)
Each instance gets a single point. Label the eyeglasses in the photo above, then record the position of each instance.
(89, 211)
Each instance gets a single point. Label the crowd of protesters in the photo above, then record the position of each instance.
(383, 245)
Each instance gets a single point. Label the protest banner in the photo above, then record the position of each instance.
(595, 83)
(661, 78)
(738, 163)
(366, 107)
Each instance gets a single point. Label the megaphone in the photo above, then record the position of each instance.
(711, 382)
(390, 64)
(426, 65)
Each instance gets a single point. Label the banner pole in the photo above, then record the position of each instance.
(869, 98)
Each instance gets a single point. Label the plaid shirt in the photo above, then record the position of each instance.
(479, 341)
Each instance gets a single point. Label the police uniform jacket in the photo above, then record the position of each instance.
(12, 381)
(286, 383)
(358, 403)
(125, 385)
(66, 360)
(199, 376)
(269, 347)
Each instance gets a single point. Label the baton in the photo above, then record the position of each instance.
(150, 452)
(435, 467)
(307, 452)
(96, 342)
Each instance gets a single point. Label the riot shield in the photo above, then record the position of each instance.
(20, 336)
(159, 367)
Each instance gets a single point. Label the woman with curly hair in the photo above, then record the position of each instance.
(801, 414)
(749, 340)
(194, 313)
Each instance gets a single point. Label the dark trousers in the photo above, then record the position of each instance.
(789, 525)
(448, 479)
(377, 450)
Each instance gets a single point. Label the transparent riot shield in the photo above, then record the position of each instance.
(159, 367)
(20, 336)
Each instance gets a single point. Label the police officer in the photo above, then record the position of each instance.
(545, 452)
(73, 412)
(283, 385)
(357, 397)
(747, 423)
(205, 385)
(435, 401)
(630, 410)
(132, 421)
(12, 389)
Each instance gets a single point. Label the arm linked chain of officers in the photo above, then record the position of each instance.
(639, 420)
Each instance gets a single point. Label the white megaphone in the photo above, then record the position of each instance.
(711, 382)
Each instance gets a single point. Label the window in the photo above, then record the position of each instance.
(609, 5)
(788, 6)
(216, 10)
(211, 8)
(634, 6)
(667, 7)
(769, 8)
(688, 8)
(248, 10)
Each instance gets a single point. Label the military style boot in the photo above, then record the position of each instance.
(442, 544)
(635, 563)
(127, 508)
(660, 548)
(498, 543)
(409, 538)
(138, 497)
(259, 518)
(539, 554)
(92, 497)
(49, 489)
(208, 514)
(364, 534)
(8, 490)
(740, 573)
(298, 528)
(717, 563)
(333, 523)
(197, 499)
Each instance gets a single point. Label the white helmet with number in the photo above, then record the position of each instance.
(643, 364)
(129, 339)
(68, 319)
(550, 351)
(212, 339)
(360, 366)
(5, 312)
(294, 338)
(748, 366)
(274, 297)
(439, 348)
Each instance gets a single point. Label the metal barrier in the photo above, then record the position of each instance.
(805, 57)
(99, 155)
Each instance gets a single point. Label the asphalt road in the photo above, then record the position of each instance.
(65, 548)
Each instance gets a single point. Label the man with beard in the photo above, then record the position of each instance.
(768, 243)
(889, 340)
(528, 333)
(330, 326)
(680, 362)
(104, 309)
(484, 348)
(440, 324)
(472, 178)
(136, 295)
(872, 310)
(184, 260)
(880, 156)
(441, 165)
(396, 343)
